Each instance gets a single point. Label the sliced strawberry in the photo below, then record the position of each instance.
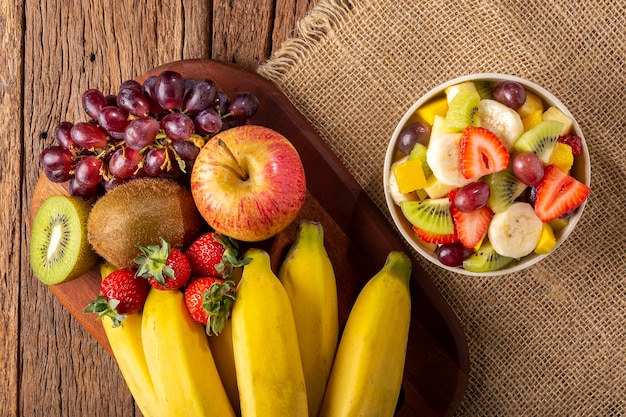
(481, 153)
(435, 238)
(558, 193)
(472, 226)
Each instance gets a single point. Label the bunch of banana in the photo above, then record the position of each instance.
(280, 353)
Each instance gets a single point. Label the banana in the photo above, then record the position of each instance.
(125, 342)
(443, 159)
(265, 344)
(179, 359)
(501, 120)
(222, 349)
(367, 373)
(515, 232)
(309, 279)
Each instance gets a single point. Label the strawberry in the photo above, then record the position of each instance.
(558, 193)
(481, 153)
(121, 293)
(209, 301)
(214, 255)
(435, 238)
(574, 141)
(472, 226)
(165, 268)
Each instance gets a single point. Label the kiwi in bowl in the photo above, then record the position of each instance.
(486, 174)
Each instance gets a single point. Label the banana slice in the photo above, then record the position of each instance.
(443, 159)
(502, 120)
(394, 191)
(515, 231)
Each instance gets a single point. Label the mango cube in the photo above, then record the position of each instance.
(532, 104)
(562, 156)
(554, 113)
(435, 107)
(532, 120)
(409, 175)
(547, 241)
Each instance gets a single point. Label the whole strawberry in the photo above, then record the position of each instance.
(166, 268)
(209, 301)
(214, 255)
(121, 293)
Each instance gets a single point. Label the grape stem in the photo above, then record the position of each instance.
(243, 175)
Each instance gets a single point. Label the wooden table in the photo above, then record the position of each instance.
(53, 51)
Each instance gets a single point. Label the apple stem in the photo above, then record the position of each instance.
(242, 174)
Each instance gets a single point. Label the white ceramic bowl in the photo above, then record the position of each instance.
(581, 170)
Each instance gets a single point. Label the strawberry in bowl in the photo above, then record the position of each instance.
(486, 174)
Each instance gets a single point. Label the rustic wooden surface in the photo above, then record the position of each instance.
(53, 51)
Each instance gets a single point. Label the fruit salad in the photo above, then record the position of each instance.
(486, 175)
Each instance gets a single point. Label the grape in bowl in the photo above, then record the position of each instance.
(486, 174)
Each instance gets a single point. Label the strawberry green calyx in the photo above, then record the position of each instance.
(230, 258)
(218, 302)
(104, 307)
(153, 263)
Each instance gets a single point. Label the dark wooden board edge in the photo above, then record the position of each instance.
(364, 239)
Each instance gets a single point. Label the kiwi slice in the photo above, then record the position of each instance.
(484, 89)
(486, 259)
(463, 110)
(419, 152)
(432, 215)
(141, 212)
(504, 188)
(540, 139)
(59, 249)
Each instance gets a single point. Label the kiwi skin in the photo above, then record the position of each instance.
(141, 212)
(73, 256)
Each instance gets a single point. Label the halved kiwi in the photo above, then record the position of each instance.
(431, 215)
(540, 139)
(59, 249)
(486, 259)
(504, 188)
(141, 212)
(462, 111)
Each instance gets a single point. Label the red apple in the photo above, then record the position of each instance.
(248, 183)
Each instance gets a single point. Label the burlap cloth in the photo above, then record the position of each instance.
(549, 341)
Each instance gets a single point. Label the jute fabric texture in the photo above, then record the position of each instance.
(548, 341)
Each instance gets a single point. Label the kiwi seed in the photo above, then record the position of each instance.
(59, 249)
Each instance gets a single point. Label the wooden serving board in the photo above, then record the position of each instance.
(358, 238)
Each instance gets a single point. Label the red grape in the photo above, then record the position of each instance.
(208, 122)
(130, 84)
(87, 135)
(93, 101)
(55, 158)
(133, 101)
(471, 197)
(87, 172)
(124, 162)
(156, 162)
(62, 135)
(141, 132)
(57, 175)
(410, 135)
(510, 93)
(201, 95)
(185, 149)
(82, 191)
(177, 126)
(452, 254)
(113, 118)
(528, 168)
(243, 105)
(169, 90)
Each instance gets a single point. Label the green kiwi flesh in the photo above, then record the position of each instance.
(59, 249)
(540, 139)
(504, 188)
(431, 215)
(141, 212)
(462, 110)
(419, 152)
(486, 259)
(484, 88)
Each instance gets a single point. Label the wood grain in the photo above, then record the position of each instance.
(55, 51)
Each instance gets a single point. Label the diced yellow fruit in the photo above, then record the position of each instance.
(435, 189)
(435, 107)
(547, 241)
(532, 104)
(454, 89)
(532, 120)
(409, 175)
(439, 127)
(558, 224)
(562, 156)
(553, 113)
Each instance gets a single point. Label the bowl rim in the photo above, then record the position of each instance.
(401, 223)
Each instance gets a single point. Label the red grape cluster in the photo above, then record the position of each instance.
(154, 129)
